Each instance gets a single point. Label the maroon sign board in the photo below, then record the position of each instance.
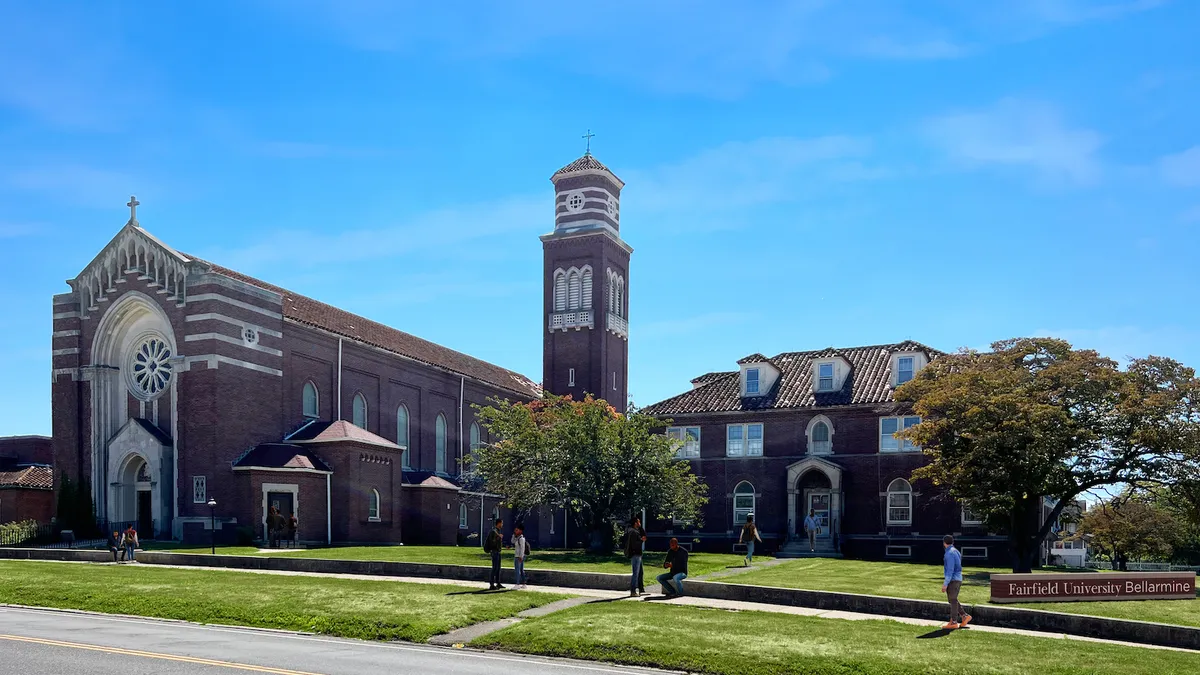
(1093, 587)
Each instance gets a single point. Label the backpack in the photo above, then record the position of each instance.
(527, 549)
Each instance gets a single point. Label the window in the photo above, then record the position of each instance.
(462, 516)
(570, 377)
(614, 380)
(751, 381)
(199, 490)
(819, 442)
(969, 517)
(889, 427)
(439, 444)
(904, 369)
(825, 377)
(744, 439)
(359, 411)
(743, 503)
(689, 440)
(402, 433)
(621, 296)
(373, 507)
(1058, 544)
(898, 552)
(310, 401)
(899, 503)
(975, 552)
(474, 436)
(560, 291)
(573, 290)
(586, 300)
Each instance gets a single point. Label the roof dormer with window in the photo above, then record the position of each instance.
(758, 375)
(829, 374)
(906, 365)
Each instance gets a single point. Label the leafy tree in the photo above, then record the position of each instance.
(1035, 418)
(585, 456)
(1130, 526)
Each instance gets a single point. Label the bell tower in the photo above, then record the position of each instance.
(585, 348)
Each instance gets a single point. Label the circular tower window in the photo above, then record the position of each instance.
(575, 201)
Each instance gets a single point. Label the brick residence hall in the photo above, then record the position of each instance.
(177, 381)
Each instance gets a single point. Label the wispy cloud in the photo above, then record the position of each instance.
(1182, 168)
(1018, 133)
(82, 185)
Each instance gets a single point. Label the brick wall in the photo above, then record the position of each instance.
(17, 504)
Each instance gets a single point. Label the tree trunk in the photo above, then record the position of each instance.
(1025, 536)
(601, 537)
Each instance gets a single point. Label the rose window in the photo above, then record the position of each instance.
(151, 368)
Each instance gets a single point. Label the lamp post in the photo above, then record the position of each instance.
(212, 522)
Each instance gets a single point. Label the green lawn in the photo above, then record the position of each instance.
(375, 610)
(557, 559)
(759, 643)
(924, 582)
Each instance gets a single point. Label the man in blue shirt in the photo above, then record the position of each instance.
(952, 584)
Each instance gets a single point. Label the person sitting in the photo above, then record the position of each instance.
(676, 564)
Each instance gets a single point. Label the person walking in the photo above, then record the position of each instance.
(748, 537)
(493, 544)
(114, 543)
(520, 550)
(635, 541)
(676, 564)
(952, 583)
(812, 528)
(131, 543)
(292, 527)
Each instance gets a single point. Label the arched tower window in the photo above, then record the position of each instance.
(402, 434)
(573, 289)
(612, 292)
(899, 502)
(620, 310)
(586, 300)
(743, 503)
(359, 411)
(560, 291)
(439, 443)
(311, 401)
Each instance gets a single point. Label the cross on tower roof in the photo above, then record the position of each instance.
(133, 204)
(588, 136)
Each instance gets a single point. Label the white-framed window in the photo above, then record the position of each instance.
(751, 381)
(310, 400)
(586, 290)
(573, 290)
(975, 552)
(439, 444)
(688, 439)
(199, 490)
(560, 291)
(462, 516)
(570, 377)
(898, 551)
(402, 434)
(889, 427)
(373, 506)
(1058, 544)
(474, 436)
(359, 411)
(744, 440)
(743, 503)
(820, 436)
(904, 369)
(825, 377)
(899, 503)
(969, 517)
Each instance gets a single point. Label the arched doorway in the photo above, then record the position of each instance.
(136, 495)
(816, 493)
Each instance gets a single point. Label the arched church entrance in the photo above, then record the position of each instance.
(135, 496)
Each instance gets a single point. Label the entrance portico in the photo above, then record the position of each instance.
(814, 483)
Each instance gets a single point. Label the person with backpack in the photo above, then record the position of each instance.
(520, 551)
(131, 543)
(748, 537)
(492, 545)
(635, 538)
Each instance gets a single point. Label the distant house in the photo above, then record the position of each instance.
(26, 479)
(1064, 545)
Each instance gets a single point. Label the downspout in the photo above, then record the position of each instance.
(339, 380)
(328, 512)
(462, 386)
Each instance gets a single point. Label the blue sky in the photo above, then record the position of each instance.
(799, 174)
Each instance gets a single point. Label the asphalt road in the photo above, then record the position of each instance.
(45, 642)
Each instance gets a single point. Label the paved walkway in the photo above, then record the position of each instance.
(585, 595)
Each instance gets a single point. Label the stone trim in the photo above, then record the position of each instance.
(65, 352)
(64, 333)
(74, 314)
(220, 337)
(202, 297)
(213, 361)
(213, 316)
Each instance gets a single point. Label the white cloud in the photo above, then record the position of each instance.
(1182, 168)
(1019, 134)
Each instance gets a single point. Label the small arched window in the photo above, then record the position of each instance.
(373, 506)
(439, 444)
(586, 300)
(612, 292)
(743, 502)
(402, 433)
(820, 436)
(899, 502)
(573, 290)
(560, 291)
(620, 311)
(359, 411)
(474, 436)
(462, 515)
(310, 400)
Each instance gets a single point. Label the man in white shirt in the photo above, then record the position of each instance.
(812, 528)
(519, 552)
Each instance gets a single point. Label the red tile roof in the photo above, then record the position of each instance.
(305, 310)
(438, 482)
(281, 456)
(33, 477)
(343, 431)
(869, 382)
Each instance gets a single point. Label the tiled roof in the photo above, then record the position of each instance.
(438, 482)
(585, 163)
(282, 456)
(417, 477)
(339, 431)
(38, 477)
(158, 434)
(753, 358)
(869, 382)
(310, 312)
(709, 377)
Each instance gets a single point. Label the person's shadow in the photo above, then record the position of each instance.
(940, 632)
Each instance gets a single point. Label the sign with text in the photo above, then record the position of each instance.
(1093, 587)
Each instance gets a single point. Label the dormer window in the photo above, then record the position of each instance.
(904, 369)
(752, 381)
(825, 377)
(906, 365)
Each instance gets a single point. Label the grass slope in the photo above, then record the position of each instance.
(578, 561)
(759, 643)
(924, 582)
(373, 610)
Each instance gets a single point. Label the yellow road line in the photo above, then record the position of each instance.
(155, 655)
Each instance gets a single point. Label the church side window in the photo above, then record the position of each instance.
(439, 431)
(899, 503)
(199, 489)
(359, 411)
(560, 291)
(462, 516)
(402, 434)
(373, 507)
(310, 400)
